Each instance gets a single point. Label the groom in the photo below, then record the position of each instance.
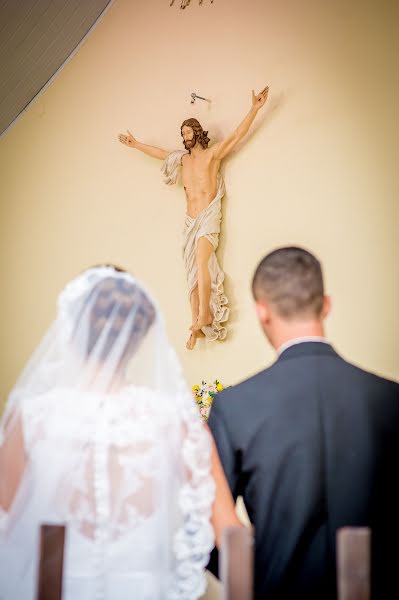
(204, 190)
(311, 443)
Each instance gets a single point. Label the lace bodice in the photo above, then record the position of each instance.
(112, 465)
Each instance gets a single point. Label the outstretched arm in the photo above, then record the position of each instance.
(130, 140)
(222, 149)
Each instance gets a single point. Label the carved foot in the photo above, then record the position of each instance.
(191, 341)
(202, 320)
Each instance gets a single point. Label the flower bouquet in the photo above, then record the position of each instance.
(204, 395)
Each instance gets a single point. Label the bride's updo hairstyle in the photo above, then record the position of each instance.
(116, 308)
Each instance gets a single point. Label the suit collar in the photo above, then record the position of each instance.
(306, 349)
(298, 340)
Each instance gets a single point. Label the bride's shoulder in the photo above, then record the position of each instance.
(41, 400)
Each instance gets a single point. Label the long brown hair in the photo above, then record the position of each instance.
(201, 136)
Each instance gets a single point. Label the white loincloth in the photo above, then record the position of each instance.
(207, 225)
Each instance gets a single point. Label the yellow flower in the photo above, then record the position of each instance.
(195, 388)
(207, 401)
(219, 387)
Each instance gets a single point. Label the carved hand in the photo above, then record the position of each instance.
(128, 140)
(259, 100)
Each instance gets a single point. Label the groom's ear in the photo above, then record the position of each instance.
(263, 311)
(326, 307)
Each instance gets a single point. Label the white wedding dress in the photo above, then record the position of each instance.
(125, 467)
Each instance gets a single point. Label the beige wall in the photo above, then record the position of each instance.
(318, 171)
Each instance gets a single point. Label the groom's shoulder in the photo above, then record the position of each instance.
(333, 371)
(371, 379)
(247, 397)
(251, 385)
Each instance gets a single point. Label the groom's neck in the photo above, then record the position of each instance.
(285, 332)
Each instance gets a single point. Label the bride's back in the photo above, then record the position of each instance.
(102, 465)
(113, 448)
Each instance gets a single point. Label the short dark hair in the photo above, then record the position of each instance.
(291, 280)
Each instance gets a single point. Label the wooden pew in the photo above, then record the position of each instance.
(51, 559)
(237, 563)
(353, 563)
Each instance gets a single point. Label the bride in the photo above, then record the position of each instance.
(100, 433)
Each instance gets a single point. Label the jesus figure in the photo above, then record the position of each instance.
(204, 188)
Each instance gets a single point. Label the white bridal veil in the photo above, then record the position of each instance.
(101, 433)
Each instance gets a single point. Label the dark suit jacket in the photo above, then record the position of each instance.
(312, 444)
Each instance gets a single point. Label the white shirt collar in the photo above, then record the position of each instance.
(300, 340)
